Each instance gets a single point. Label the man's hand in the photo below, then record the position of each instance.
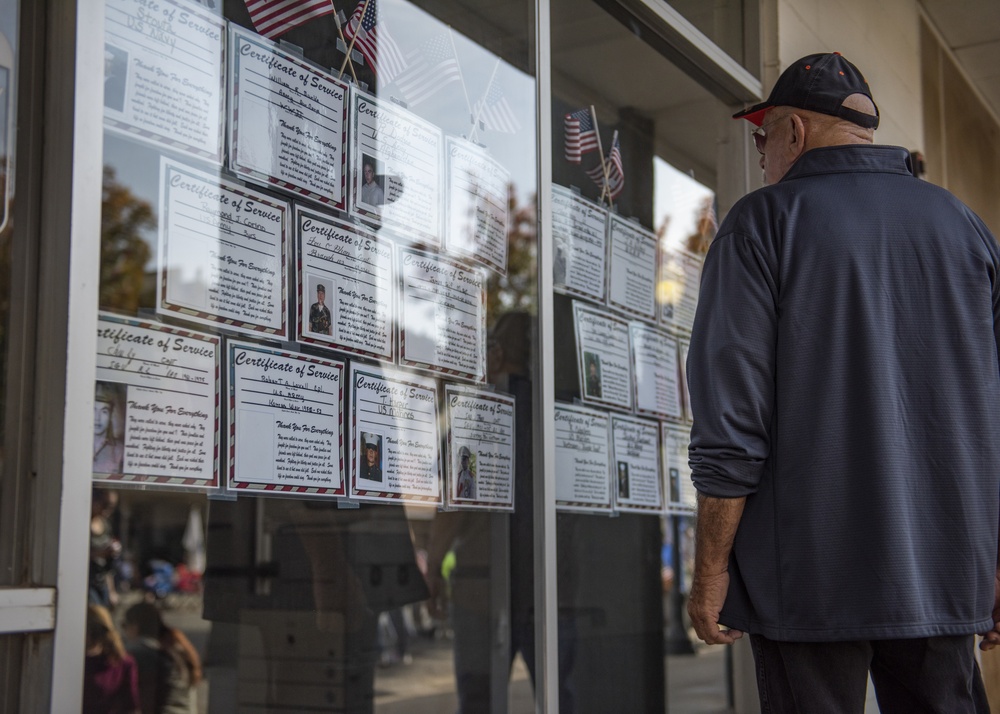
(708, 593)
(992, 638)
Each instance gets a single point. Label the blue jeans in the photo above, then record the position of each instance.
(912, 676)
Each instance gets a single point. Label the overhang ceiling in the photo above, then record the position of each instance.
(971, 30)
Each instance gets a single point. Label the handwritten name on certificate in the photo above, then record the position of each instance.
(480, 449)
(579, 230)
(635, 470)
(657, 372)
(681, 494)
(285, 421)
(478, 215)
(632, 271)
(156, 407)
(346, 284)
(163, 74)
(442, 321)
(394, 436)
(396, 174)
(287, 120)
(583, 459)
(603, 357)
(681, 278)
(222, 252)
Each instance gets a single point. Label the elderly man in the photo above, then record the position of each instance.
(846, 392)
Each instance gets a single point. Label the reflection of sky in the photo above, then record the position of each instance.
(677, 200)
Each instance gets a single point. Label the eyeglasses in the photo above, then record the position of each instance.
(760, 136)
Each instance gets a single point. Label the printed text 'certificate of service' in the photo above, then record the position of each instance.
(163, 74)
(394, 436)
(481, 448)
(285, 421)
(579, 229)
(636, 468)
(222, 252)
(287, 120)
(156, 407)
(583, 459)
(347, 284)
(603, 357)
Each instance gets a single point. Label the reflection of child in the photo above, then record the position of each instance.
(110, 677)
(109, 451)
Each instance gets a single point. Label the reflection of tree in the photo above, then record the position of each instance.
(124, 252)
(705, 228)
(518, 289)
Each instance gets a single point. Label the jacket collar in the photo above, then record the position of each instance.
(851, 158)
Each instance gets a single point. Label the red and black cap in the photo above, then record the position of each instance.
(819, 83)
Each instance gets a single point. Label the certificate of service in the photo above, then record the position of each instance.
(579, 229)
(583, 459)
(287, 120)
(480, 449)
(657, 372)
(632, 269)
(681, 495)
(346, 286)
(442, 315)
(680, 277)
(394, 437)
(603, 357)
(636, 476)
(285, 421)
(156, 406)
(222, 252)
(396, 166)
(163, 74)
(478, 217)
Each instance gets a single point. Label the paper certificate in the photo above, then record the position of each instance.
(346, 286)
(603, 357)
(583, 459)
(657, 372)
(442, 316)
(287, 120)
(480, 449)
(285, 421)
(632, 269)
(394, 436)
(636, 476)
(579, 230)
(163, 74)
(222, 252)
(680, 277)
(681, 494)
(156, 405)
(478, 215)
(396, 164)
(682, 348)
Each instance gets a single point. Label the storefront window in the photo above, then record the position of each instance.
(313, 402)
(635, 169)
(724, 22)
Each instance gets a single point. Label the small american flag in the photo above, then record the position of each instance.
(374, 41)
(616, 173)
(581, 136)
(276, 17)
(495, 113)
(430, 68)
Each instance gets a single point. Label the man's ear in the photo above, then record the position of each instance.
(797, 141)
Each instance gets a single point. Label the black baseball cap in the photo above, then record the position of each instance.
(819, 83)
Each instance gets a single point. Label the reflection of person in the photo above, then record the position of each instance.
(109, 451)
(371, 468)
(169, 665)
(105, 549)
(371, 192)
(592, 383)
(466, 478)
(110, 676)
(319, 314)
(845, 444)
(622, 479)
(115, 74)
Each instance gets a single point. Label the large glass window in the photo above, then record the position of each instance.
(313, 402)
(636, 169)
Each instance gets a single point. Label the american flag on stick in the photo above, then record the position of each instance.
(429, 69)
(373, 40)
(581, 134)
(616, 173)
(272, 18)
(494, 111)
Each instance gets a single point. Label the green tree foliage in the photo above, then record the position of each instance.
(124, 251)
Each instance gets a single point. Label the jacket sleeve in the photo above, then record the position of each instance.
(731, 368)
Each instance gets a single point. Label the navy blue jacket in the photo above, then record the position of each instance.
(844, 378)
